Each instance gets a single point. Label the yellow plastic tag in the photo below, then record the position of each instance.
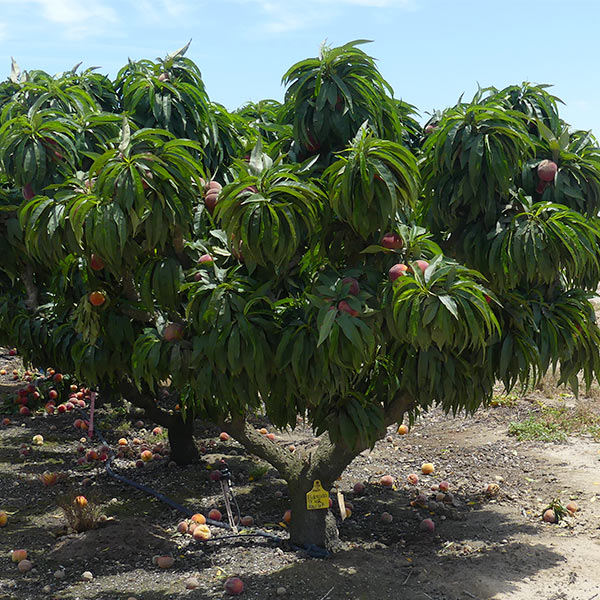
(317, 497)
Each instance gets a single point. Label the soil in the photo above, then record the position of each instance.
(484, 547)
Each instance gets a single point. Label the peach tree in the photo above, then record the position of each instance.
(325, 259)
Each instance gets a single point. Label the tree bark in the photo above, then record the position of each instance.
(31, 302)
(181, 440)
(310, 528)
(181, 432)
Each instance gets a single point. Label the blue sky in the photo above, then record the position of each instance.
(431, 51)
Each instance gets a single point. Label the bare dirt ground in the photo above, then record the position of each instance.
(487, 548)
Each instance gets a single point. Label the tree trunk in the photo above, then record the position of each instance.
(181, 439)
(180, 432)
(311, 528)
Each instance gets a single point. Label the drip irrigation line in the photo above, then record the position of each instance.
(168, 501)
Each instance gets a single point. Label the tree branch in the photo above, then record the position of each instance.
(401, 404)
(284, 461)
(328, 460)
(31, 302)
(145, 401)
(130, 292)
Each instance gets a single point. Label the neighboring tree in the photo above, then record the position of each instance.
(350, 270)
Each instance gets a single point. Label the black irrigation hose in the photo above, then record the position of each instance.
(178, 507)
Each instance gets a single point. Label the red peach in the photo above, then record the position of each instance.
(354, 285)
(359, 488)
(182, 527)
(549, 516)
(165, 562)
(427, 525)
(546, 170)
(392, 241)
(387, 481)
(18, 555)
(572, 507)
(215, 515)
(343, 306)
(234, 586)
(24, 566)
(398, 270)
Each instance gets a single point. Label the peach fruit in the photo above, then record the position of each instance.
(546, 170)
(444, 486)
(24, 566)
(18, 555)
(403, 429)
(386, 517)
(97, 298)
(215, 514)
(146, 456)
(354, 285)
(413, 479)
(234, 586)
(344, 307)
(572, 507)
(173, 332)
(287, 516)
(201, 532)
(396, 271)
(549, 516)
(223, 436)
(96, 263)
(427, 525)
(492, 489)
(165, 562)
(422, 264)
(247, 521)
(387, 481)
(199, 518)
(358, 488)
(392, 241)
(48, 478)
(427, 468)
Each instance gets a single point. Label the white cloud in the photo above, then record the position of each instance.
(75, 20)
(290, 15)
